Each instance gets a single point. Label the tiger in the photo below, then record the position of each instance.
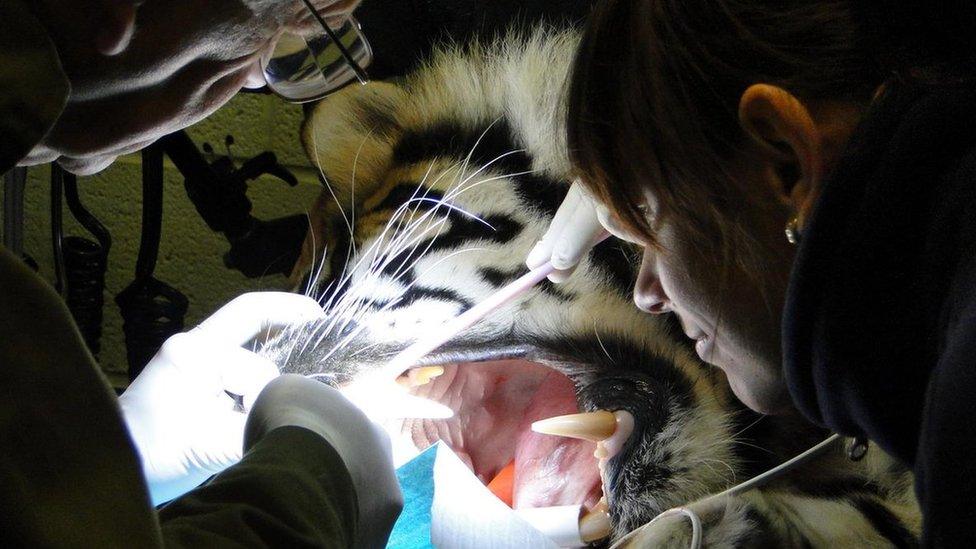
(436, 186)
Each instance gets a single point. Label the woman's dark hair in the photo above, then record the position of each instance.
(655, 89)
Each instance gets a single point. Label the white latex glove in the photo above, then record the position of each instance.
(184, 425)
(573, 232)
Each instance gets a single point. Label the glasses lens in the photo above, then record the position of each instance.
(308, 68)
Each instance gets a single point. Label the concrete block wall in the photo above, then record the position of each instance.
(190, 256)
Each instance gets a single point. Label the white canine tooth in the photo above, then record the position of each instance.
(591, 426)
(595, 525)
(423, 375)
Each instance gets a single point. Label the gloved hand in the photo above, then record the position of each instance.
(184, 425)
(573, 232)
(364, 447)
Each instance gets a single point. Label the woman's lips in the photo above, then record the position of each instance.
(703, 342)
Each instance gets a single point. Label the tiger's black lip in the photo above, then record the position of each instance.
(468, 352)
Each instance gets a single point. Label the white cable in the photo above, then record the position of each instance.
(758, 480)
(696, 527)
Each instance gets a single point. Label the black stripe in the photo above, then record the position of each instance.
(620, 262)
(416, 293)
(885, 522)
(498, 278)
(454, 140)
(377, 118)
(405, 191)
(496, 228)
(541, 193)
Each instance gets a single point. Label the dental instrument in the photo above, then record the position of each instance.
(423, 346)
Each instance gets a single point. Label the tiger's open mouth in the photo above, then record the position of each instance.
(496, 403)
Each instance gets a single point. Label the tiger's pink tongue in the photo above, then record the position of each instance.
(552, 470)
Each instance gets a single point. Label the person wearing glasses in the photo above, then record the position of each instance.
(82, 82)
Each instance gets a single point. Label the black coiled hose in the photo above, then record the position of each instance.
(152, 310)
(80, 263)
(85, 263)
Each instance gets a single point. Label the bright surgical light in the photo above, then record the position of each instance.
(381, 398)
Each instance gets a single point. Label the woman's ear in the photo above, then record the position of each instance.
(786, 136)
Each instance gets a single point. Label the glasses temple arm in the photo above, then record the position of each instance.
(360, 73)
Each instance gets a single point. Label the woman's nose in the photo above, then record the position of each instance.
(649, 295)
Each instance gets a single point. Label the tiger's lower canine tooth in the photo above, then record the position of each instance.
(594, 526)
(591, 426)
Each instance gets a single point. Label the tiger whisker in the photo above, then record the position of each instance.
(313, 279)
(484, 168)
(365, 305)
(447, 257)
(461, 211)
(600, 341)
(365, 348)
(325, 181)
(352, 192)
(455, 191)
(496, 178)
(747, 427)
(381, 261)
(477, 142)
(361, 305)
(351, 336)
(404, 232)
(345, 341)
(311, 232)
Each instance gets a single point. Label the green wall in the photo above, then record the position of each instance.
(190, 257)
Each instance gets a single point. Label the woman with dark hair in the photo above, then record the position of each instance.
(806, 201)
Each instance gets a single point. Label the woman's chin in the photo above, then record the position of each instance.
(766, 396)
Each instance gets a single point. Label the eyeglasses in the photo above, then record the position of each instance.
(307, 68)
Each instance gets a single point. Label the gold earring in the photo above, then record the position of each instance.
(793, 230)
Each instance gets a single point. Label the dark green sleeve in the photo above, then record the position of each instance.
(290, 490)
(69, 475)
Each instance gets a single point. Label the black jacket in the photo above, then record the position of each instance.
(879, 330)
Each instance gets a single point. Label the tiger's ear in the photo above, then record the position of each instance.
(350, 137)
